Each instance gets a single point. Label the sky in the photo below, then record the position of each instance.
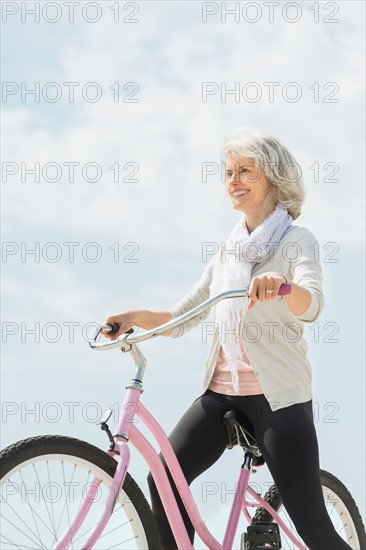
(118, 213)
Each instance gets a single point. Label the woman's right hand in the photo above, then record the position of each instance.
(125, 320)
(141, 318)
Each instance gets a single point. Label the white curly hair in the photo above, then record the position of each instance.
(275, 161)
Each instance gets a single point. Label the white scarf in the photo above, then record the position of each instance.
(242, 251)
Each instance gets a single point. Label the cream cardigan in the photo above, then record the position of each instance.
(272, 334)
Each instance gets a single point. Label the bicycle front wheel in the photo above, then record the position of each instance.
(44, 481)
(339, 503)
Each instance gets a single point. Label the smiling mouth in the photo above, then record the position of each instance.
(238, 194)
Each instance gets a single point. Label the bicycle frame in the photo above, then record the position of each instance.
(127, 431)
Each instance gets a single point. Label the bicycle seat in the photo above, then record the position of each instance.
(240, 432)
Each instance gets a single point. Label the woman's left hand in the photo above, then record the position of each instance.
(260, 285)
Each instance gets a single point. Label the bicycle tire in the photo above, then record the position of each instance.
(342, 500)
(32, 509)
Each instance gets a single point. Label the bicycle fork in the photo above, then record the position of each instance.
(121, 448)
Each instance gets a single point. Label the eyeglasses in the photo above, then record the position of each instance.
(248, 172)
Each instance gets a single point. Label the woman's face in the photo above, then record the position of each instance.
(246, 185)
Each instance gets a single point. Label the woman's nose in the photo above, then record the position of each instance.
(234, 178)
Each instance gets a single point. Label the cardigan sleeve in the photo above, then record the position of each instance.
(198, 294)
(306, 271)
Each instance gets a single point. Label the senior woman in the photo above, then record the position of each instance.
(257, 363)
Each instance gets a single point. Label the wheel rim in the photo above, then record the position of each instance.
(41, 496)
(341, 518)
(338, 513)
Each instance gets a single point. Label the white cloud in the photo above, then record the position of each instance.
(52, 289)
(170, 131)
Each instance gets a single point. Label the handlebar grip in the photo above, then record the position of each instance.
(284, 289)
(114, 328)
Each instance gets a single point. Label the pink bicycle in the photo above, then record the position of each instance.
(59, 492)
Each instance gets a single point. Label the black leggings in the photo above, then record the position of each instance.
(288, 442)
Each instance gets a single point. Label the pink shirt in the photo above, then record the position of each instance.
(221, 381)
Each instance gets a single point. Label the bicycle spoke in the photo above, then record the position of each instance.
(61, 516)
(22, 547)
(88, 475)
(115, 529)
(18, 529)
(52, 509)
(119, 543)
(67, 496)
(31, 508)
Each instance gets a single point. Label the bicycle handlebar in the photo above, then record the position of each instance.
(127, 339)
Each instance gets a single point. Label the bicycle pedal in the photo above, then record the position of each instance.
(261, 536)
